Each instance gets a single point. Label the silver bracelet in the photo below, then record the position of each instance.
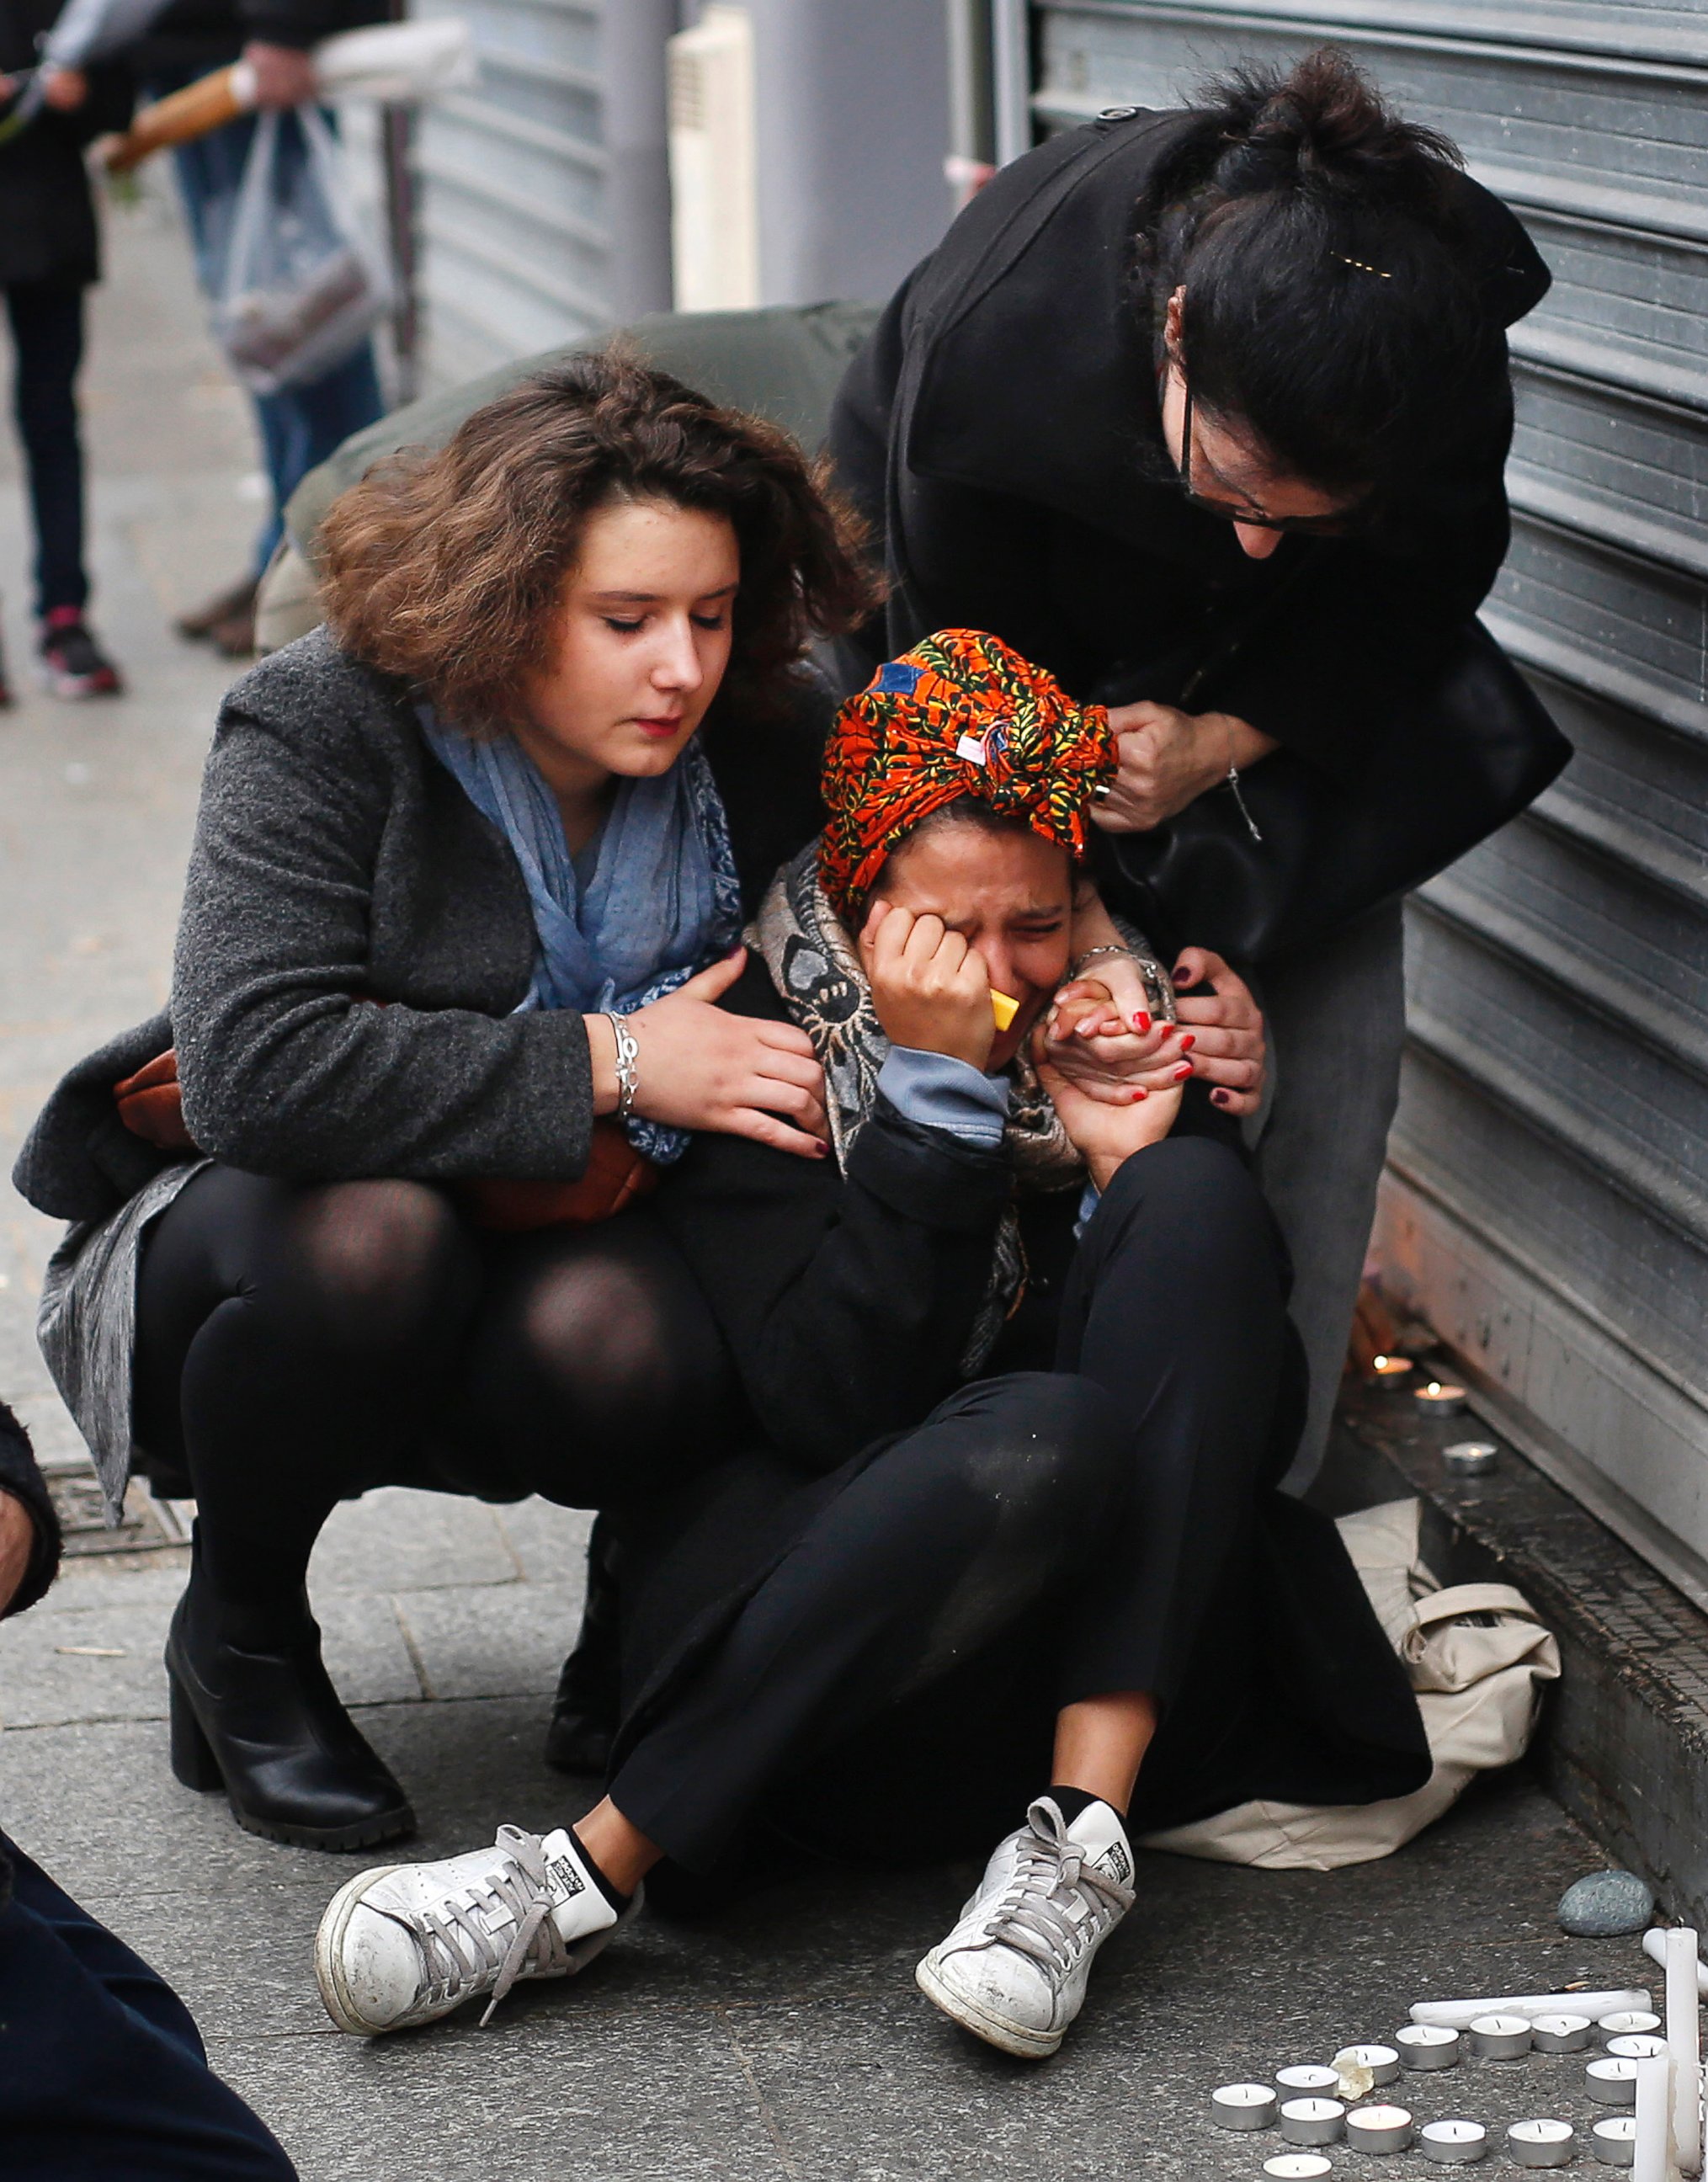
(628, 1076)
(1232, 782)
(1091, 955)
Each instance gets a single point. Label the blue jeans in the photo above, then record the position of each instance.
(101, 2070)
(302, 425)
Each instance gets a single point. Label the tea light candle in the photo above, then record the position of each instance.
(1298, 2167)
(1439, 1400)
(1471, 1457)
(1382, 2060)
(1379, 2129)
(1628, 2023)
(1316, 2121)
(1500, 2037)
(1614, 2139)
(1245, 2106)
(1541, 2143)
(1453, 2143)
(1430, 2046)
(1611, 2082)
(1561, 2033)
(1307, 2077)
(1646, 2047)
(1390, 1371)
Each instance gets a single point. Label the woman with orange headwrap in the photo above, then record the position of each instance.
(998, 1526)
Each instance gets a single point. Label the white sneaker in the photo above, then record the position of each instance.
(407, 1942)
(1013, 1970)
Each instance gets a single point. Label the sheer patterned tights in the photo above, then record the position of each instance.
(297, 1344)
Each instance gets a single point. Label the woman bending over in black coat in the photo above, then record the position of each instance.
(1016, 1383)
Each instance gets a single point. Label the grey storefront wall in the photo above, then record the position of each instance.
(1547, 1200)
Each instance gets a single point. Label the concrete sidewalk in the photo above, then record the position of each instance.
(786, 2040)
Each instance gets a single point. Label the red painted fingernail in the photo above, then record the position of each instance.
(1141, 1022)
(1135, 1096)
(1218, 1097)
(1189, 1041)
(1183, 1071)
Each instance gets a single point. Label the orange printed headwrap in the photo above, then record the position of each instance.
(961, 714)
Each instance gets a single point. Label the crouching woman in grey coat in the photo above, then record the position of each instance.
(368, 1205)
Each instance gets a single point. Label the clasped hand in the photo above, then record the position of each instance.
(1099, 1033)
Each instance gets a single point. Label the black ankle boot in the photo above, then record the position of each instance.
(267, 1727)
(584, 1711)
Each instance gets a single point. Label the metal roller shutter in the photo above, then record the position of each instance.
(1547, 1193)
(515, 223)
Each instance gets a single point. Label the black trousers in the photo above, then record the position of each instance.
(46, 321)
(296, 1345)
(1042, 1538)
(102, 2076)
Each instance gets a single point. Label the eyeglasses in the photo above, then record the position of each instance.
(1253, 518)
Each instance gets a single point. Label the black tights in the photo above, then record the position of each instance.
(297, 1344)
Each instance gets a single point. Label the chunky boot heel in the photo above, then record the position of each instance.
(267, 1727)
(193, 1762)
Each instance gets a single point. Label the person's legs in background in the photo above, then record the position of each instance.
(298, 427)
(1336, 1014)
(102, 2074)
(47, 323)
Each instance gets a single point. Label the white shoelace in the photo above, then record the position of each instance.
(461, 1941)
(1033, 1913)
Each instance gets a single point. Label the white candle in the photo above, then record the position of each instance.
(1438, 1400)
(1629, 2023)
(1457, 2014)
(1298, 2167)
(1453, 2143)
(1245, 2106)
(1540, 2143)
(1654, 2119)
(1382, 2060)
(1500, 2037)
(1562, 2034)
(1313, 2121)
(1379, 2129)
(1614, 2139)
(1307, 2076)
(1685, 2038)
(1611, 2082)
(1655, 1947)
(1429, 2045)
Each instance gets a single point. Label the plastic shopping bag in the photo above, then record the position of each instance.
(304, 281)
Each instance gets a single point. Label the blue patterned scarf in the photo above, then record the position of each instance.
(664, 900)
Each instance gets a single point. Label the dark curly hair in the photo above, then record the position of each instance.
(444, 567)
(1333, 301)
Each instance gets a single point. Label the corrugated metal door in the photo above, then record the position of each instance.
(512, 176)
(1547, 1193)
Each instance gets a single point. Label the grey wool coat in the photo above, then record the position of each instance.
(336, 860)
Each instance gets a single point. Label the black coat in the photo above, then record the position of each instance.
(192, 37)
(335, 858)
(844, 1304)
(48, 227)
(1001, 431)
(20, 1476)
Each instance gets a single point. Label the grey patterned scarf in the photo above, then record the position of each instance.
(815, 968)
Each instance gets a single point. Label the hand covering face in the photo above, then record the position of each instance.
(961, 714)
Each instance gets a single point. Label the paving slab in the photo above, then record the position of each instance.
(399, 1540)
(494, 1642)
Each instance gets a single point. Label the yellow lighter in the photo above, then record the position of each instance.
(1003, 1008)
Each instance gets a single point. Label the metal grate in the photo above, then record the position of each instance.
(1548, 1197)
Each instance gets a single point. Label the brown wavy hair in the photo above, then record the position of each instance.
(444, 567)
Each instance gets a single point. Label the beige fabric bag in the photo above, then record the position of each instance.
(1477, 1658)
